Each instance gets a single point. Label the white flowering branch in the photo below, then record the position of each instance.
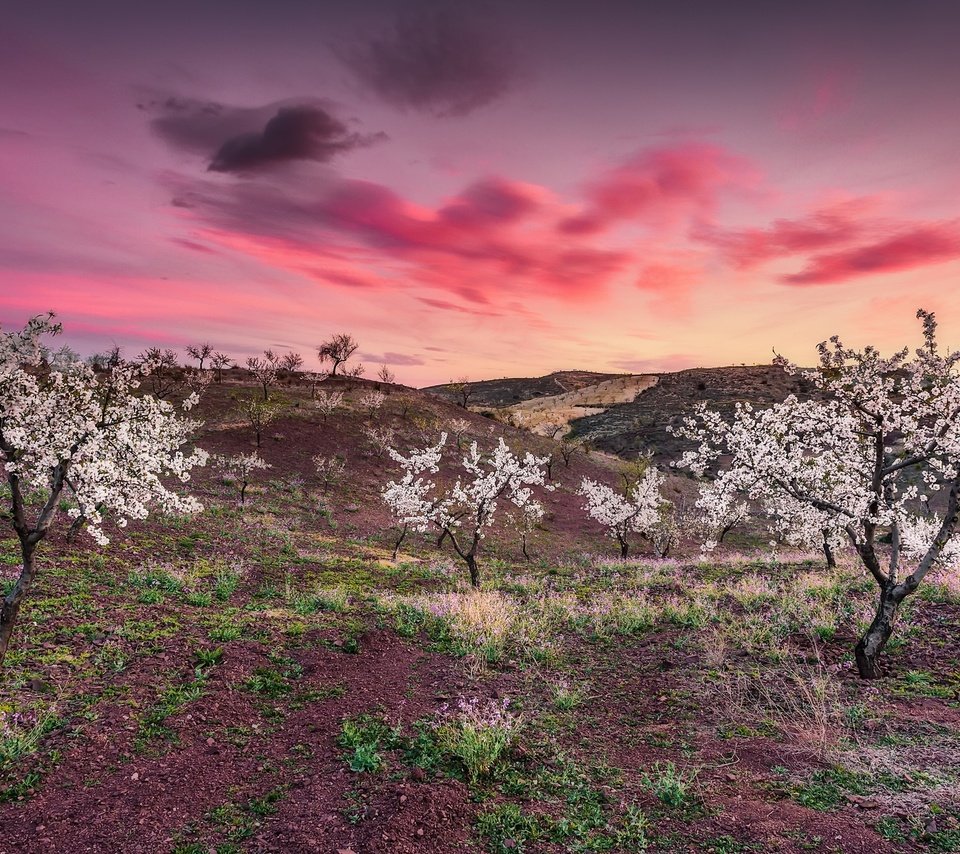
(464, 512)
(863, 461)
(68, 432)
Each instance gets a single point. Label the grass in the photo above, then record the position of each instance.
(642, 665)
(277, 680)
(170, 701)
(671, 786)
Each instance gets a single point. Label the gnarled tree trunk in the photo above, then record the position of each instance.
(474, 570)
(872, 644)
(11, 602)
(828, 553)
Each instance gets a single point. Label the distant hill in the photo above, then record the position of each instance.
(641, 424)
(506, 392)
(627, 429)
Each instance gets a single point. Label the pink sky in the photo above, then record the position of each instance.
(568, 185)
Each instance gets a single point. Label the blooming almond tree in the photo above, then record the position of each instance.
(871, 457)
(329, 469)
(465, 511)
(70, 434)
(372, 401)
(459, 427)
(328, 402)
(789, 520)
(525, 520)
(639, 511)
(411, 499)
(259, 414)
(240, 468)
(264, 370)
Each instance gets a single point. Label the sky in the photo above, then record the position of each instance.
(483, 190)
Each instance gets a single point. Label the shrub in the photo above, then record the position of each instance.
(478, 734)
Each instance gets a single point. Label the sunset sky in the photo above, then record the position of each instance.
(504, 191)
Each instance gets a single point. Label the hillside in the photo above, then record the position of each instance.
(263, 677)
(487, 394)
(628, 414)
(641, 425)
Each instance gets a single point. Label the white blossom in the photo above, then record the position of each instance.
(639, 511)
(372, 400)
(867, 457)
(465, 511)
(328, 402)
(67, 429)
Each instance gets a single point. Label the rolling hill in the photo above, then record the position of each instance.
(596, 407)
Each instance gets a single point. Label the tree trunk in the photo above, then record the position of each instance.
(872, 643)
(474, 571)
(523, 546)
(400, 539)
(828, 553)
(11, 602)
(624, 546)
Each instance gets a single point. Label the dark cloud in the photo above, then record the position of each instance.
(434, 61)
(294, 133)
(201, 127)
(243, 139)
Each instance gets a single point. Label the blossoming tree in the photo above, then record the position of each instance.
(870, 459)
(639, 511)
(240, 468)
(465, 511)
(328, 402)
(264, 370)
(70, 434)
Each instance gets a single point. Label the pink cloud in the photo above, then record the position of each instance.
(917, 247)
(671, 284)
(826, 92)
(831, 225)
(494, 236)
(662, 186)
(493, 201)
(841, 241)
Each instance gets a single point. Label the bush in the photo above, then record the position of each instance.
(477, 735)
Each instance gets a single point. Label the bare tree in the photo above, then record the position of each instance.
(291, 362)
(257, 413)
(569, 448)
(108, 360)
(219, 361)
(337, 349)
(200, 352)
(385, 375)
(165, 376)
(462, 390)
